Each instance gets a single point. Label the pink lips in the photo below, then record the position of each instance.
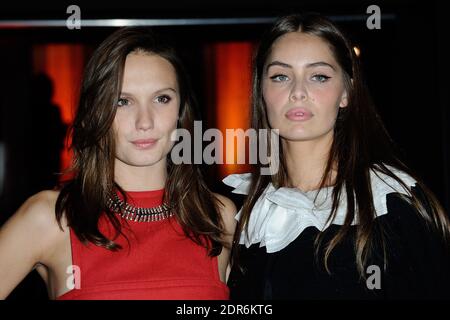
(299, 114)
(144, 143)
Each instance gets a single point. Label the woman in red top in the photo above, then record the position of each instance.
(130, 224)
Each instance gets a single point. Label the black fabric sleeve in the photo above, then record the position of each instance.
(418, 259)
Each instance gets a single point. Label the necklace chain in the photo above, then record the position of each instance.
(137, 214)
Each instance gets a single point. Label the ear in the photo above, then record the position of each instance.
(344, 98)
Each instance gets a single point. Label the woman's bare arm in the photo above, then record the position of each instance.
(25, 239)
(228, 212)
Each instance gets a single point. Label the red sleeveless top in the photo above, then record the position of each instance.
(160, 262)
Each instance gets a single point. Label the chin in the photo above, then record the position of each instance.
(296, 135)
(297, 138)
(146, 162)
(142, 164)
(141, 161)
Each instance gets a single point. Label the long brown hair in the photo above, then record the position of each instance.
(83, 199)
(360, 144)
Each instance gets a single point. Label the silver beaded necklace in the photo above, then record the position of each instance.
(137, 214)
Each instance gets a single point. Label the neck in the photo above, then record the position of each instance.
(306, 161)
(133, 178)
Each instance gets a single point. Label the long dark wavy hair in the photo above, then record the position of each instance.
(360, 144)
(82, 200)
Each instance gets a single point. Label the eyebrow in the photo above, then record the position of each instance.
(309, 65)
(157, 91)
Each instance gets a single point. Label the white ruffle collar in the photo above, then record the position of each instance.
(281, 215)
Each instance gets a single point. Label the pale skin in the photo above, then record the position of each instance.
(301, 72)
(148, 109)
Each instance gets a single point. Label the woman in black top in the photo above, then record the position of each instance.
(341, 217)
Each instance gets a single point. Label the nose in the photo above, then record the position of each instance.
(144, 118)
(298, 91)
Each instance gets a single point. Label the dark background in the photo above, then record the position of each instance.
(405, 64)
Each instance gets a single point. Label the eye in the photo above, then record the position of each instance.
(123, 102)
(164, 99)
(320, 77)
(279, 78)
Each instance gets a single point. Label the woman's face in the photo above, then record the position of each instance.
(147, 111)
(302, 87)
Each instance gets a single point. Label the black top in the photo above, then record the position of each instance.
(418, 264)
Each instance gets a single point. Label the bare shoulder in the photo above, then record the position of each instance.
(27, 238)
(39, 211)
(226, 205)
(228, 211)
(36, 221)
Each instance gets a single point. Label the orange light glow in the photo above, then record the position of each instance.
(63, 63)
(232, 68)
